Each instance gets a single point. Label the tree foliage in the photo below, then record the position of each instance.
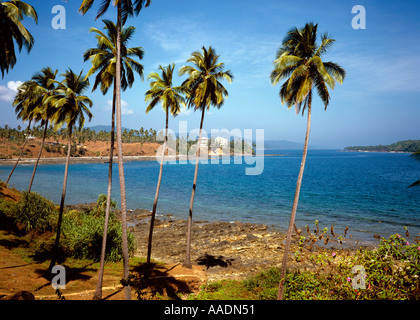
(400, 146)
(13, 31)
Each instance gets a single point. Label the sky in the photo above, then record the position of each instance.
(378, 102)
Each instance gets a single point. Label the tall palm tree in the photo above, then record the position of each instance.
(170, 97)
(299, 61)
(26, 107)
(71, 107)
(125, 8)
(103, 59)
(43, 90)
(204, 90)
(12, 30)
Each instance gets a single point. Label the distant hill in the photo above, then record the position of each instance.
(288, 145)
(400, 146)
(104, 128)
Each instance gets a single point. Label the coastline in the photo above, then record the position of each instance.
(105, 159)
(374, 151)
(226, 250)
(60, 160)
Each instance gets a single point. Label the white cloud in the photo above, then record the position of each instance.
(125, 110)
(379, 72)
(186, 112)
(248, 55)
(7, 93)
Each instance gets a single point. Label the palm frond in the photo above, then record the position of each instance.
(299, 61)
(335, 71)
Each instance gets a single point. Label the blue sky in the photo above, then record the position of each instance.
(378, 102)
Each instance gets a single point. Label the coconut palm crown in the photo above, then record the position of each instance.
(299, 61)
(204, 85)
(71, 106)
(162, 91)
(129, 8)
(103, 57)
(12, 30)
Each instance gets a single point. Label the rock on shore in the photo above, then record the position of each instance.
(224, 249)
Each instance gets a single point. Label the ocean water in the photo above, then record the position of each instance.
(365, 191)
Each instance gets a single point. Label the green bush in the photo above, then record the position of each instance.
(83, 233)
(35, 213)
(391, 272)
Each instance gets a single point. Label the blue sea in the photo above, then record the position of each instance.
(365, 191)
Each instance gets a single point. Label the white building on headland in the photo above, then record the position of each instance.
(221, 142)
(204, 143)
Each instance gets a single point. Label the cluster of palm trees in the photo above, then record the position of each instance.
(43, 98)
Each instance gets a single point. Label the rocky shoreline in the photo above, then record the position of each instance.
(226, 250)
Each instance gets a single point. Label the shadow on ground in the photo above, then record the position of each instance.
(213, 261)
(168, 281)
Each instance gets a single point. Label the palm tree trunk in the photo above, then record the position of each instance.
(187, 262)
(295, 204)
(152, 219)
(39, 156)
(20, 155)
(98, 292)
(127, 289)
(60, 215)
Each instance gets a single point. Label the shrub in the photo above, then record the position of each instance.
(391, 272)
(83, 233)
(35, 213)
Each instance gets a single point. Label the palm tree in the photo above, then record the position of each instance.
(125, 9)
(12, 30)
(204, 90)
(171, 99)
(103, 59)
(299, 61)
(43, 90)
(71, 106)
(26, 108)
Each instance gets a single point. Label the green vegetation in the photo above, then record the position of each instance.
(85, 134)
(34, 213)
(12, 30)
(34, 218)
(400, 146)
(392, 273)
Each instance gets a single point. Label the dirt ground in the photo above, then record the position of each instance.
(18, 274)
(10, 149)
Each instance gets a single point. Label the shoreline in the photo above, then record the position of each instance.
(226, 250)
(105, 159)
(374, 151)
